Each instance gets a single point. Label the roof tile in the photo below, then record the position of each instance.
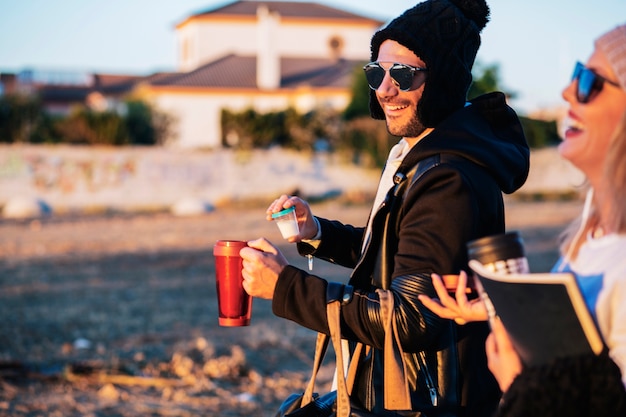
(285, 9)
(234, 71)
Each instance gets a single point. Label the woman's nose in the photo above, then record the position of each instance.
(569, 92)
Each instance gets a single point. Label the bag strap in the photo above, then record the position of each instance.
(408, 169)
(396, 384)
(414, 169)
(343, 397)
(321, 346)
(344, 385)
(396, 387)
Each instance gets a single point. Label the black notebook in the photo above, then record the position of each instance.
(545, 314)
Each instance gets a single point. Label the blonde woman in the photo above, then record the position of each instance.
(594, 247)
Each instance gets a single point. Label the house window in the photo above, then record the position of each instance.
(336, 46)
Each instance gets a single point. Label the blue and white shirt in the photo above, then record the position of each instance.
(600, 269)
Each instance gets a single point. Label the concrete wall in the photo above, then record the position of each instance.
(93, 178)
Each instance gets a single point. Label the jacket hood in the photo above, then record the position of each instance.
(488, 133)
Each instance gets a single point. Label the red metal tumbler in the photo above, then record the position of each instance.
(234, 303)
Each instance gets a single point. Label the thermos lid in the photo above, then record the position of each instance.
(228, 247)
(494, 248)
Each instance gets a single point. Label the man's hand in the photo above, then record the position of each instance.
(262, 263)
(306, 222)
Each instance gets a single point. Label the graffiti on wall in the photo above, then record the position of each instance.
(67, 174)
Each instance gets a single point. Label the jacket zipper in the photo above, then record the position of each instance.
(432, 389)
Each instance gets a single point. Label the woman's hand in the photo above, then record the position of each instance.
(459, 308)
(306, 222)
(502, 359)
(262, 263)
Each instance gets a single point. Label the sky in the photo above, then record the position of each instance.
(535, 43)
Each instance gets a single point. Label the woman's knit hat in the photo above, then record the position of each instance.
(445, 34)
(613, 45)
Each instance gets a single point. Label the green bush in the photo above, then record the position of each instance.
(23, 119)
(19, 118)
(250, 129)
(540, 133)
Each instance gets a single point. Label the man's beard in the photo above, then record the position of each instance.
(411, 130)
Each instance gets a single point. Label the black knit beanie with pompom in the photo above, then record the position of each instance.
(445, 34)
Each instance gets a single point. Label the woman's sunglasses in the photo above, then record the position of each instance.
(589, 83)
(401, 74)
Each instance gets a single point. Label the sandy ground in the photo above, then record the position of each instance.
(116, 315)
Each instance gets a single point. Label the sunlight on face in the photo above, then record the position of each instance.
(591, 125)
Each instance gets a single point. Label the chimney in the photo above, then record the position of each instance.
(267, 60)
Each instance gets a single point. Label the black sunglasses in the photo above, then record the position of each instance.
(589, 83)
(401, 74)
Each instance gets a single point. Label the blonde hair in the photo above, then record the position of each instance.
(615, 181)
(574, 235)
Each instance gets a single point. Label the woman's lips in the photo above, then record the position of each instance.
(573, 125)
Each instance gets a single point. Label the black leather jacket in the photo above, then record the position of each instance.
(483, 153)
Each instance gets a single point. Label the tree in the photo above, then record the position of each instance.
(86, 127)
(359, 104)
(287, 128)
(19, 118)
(24, 119)
(138, 121)
(251, 129)
(540, 133)
(486, 80)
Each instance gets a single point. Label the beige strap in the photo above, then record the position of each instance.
(354, 365)
(396, 385)
(320, 350)
(343, 398)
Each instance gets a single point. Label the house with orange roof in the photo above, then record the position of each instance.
(262, 55)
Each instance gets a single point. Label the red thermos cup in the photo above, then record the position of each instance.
(234, 303)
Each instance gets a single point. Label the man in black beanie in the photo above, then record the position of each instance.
(442, 187)
(446, 38)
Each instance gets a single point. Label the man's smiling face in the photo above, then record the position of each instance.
(400, 107)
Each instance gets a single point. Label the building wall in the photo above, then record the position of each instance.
(208, 42)
(196, 119)
(302, 39)
(205, 40)
(197, 114)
